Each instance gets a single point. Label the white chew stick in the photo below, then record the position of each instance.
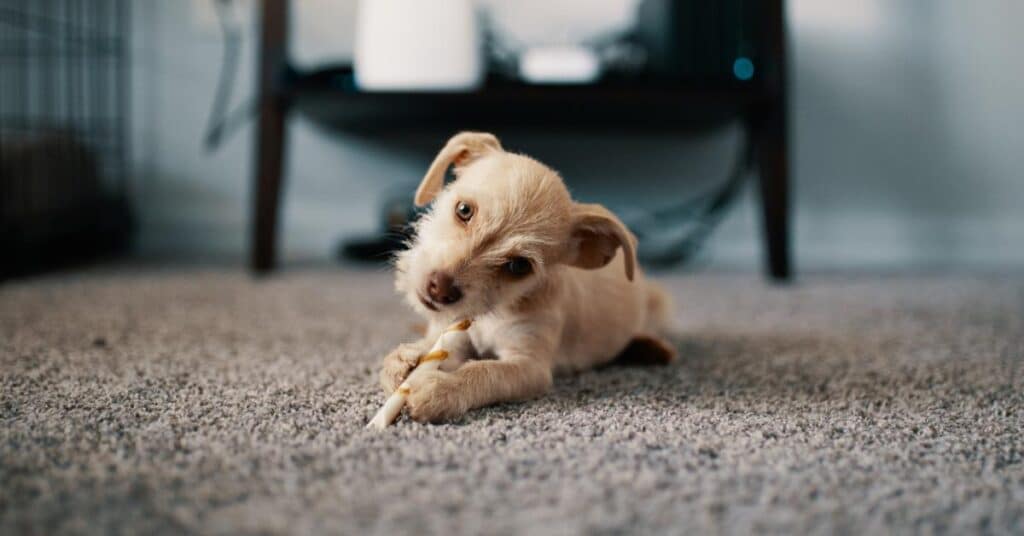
(429, 361)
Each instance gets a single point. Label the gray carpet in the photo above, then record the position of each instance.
(201, 401)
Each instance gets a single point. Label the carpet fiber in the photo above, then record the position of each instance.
(203, 401)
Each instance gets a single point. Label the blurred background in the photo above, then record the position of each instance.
(132, 126)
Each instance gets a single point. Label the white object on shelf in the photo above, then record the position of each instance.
(417, 45)
(559, 65)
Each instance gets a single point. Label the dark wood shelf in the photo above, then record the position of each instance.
(330, 96)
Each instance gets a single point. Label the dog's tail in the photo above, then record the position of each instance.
(659, 308)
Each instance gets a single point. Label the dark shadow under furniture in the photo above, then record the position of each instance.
(637, 104)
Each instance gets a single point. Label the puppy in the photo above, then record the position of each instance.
(552, 285)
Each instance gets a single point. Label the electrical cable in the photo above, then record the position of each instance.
(702, 214)
(222, 123)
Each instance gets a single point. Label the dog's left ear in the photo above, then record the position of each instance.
(462, 149)
(596, 234)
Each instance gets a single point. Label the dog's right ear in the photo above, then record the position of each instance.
(596, 235)
(463, 148)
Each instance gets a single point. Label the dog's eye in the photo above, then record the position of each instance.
(518, 267)
(464, 211)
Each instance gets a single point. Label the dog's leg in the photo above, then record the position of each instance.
(646, 350)
(441, 396)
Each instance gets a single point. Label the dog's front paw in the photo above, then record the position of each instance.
(434, 397)
(397, 365)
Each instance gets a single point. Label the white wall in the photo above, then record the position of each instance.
(904, 123)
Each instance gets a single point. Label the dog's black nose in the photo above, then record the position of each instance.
(441, 288)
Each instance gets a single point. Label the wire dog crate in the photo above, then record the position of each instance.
(64, 127)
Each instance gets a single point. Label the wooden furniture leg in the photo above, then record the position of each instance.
(270, 136)
(773, 165)
(771, 138)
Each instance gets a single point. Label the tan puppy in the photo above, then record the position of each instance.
(551, 284)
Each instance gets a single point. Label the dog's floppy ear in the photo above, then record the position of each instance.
(596, 234)
(462, 149)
